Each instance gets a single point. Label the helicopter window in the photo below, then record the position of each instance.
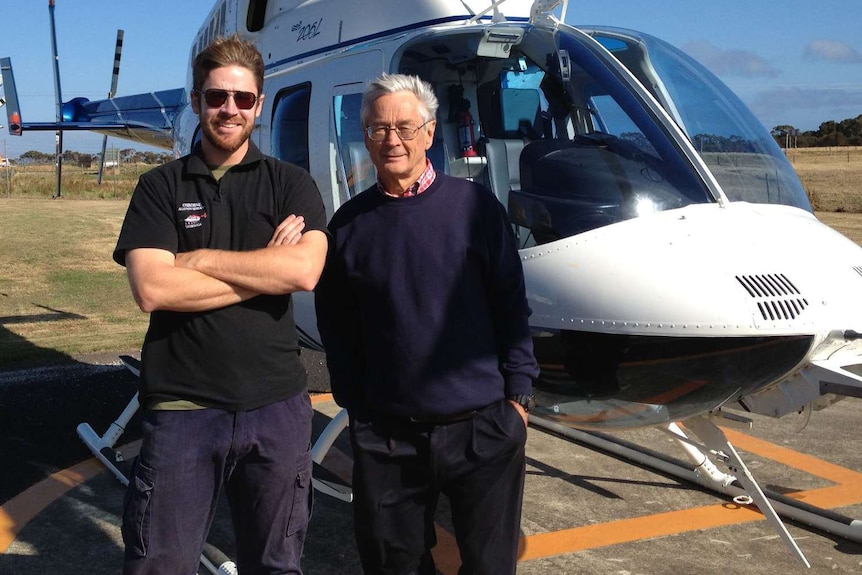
(563, 140)
(611, 119)
(358, 171)
(524, 77)
(599, 157)
(509, 112)
(290, 125)
(739, 151)
(222, 20)
(511, 104)
(256, 15)
(520, 99)
(520, 110)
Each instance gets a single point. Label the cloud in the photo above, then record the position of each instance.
(730, 62)
(832, 51)
(811, 98)
(805, 107)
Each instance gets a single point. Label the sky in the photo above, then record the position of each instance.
(793, 62)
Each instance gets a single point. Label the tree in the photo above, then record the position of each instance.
(785, 135)
(78, 159)
(827, 128)
(37, 157)
(128, 154)
(782, 130)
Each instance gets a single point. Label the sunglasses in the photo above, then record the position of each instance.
(216, 98)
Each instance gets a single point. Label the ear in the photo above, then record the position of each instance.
(429, 132)
(259, 105)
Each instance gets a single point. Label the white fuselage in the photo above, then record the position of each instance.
(714, 285)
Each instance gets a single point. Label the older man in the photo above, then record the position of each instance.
(423, 314)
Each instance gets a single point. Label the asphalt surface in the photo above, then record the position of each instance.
(584, 510)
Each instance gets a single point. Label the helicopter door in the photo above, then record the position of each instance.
(355, 170)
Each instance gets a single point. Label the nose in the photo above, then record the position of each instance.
(391, 136)
(229, 105)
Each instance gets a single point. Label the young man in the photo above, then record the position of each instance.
(214, 244)
(423, 314)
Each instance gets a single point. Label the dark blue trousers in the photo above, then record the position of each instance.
(260, 458)
(401, 468)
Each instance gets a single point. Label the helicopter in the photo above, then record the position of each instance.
(673, 264)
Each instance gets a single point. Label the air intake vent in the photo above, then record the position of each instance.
(858, 269)
(776, 296)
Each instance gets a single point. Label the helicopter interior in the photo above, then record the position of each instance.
(563, 156)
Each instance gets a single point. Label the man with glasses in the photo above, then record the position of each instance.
(214, 244)
(423, 314)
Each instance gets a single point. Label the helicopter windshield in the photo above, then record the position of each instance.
(596, 155)
(559, 134)
(740, 152)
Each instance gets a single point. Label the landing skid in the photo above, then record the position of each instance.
(318, 451)
(719, 445)
(744, 489)
(741, 486)
(702, 472)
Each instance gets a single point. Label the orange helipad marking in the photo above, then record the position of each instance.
(627, 530)
(19, 510)
(321, 398)
(846, 491)
(848, 483)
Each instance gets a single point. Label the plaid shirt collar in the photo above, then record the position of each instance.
(422, 184)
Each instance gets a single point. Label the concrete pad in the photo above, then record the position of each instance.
(584, 511)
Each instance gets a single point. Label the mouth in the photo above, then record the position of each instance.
(228, 126)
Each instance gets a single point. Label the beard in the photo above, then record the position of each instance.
(228, 143)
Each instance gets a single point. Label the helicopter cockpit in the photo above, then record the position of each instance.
(565, 139)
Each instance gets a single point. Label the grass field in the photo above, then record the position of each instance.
(62, 296)
(77, 183)
(832, 177)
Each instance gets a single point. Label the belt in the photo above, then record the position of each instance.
(422, 419)
(444, 419)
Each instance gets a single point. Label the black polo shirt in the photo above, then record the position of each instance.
(242, 356)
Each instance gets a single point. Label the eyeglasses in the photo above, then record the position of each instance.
(380, 133)
(216, 98)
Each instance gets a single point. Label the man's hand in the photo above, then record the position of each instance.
(292, 261)
(288, 232)
(521, 411)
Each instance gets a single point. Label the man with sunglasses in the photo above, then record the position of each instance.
(423, 314)
(214, 243)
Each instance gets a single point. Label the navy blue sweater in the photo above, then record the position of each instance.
(422, 306)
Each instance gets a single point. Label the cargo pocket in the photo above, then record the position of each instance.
(300, 508)
(136, 510)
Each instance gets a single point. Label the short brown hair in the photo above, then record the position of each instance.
(227, 51)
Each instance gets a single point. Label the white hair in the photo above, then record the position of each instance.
(392, 83)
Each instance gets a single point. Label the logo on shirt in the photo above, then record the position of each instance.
(195, 219)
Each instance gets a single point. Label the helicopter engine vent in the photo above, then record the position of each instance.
(776, 296)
